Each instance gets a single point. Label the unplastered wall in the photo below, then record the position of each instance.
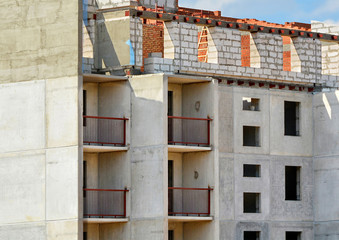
(181, 45)
(119, 40)
(40, 105)
(330, 50)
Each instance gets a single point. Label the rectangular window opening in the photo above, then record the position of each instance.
(251, 136)
(293, 235)
(250, 104)
(251, 235)
(292, 183)
(170, 234)
(251, 170)
(251, 202)
(292, 115)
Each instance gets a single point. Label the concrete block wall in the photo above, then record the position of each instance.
(180, 44)
(136, 33)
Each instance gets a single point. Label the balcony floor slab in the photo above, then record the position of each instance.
(98, 149)
(183, 149)
(188, 219)
(105, 220)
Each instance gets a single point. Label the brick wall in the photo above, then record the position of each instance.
(286, 53)
(245, 49)
(153, 39)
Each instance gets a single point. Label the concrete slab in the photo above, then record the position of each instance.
(183, 149)
(99, 149)
(188, 219)
(99, 78)
(182, 79)
(105, 220)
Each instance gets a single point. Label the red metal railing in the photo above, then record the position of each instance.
(104, 130)
(105, 203)
(189, 131)
(189, 201)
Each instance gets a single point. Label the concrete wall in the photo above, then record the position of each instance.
(326, 174)
(39, 98)
(276, 215)
(149, 157)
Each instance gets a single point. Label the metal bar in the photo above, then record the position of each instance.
(187, 213)
(102, 143)
(190, 118)
(192, 143)
(103, 215)
(124, 143)
(208, 132)
(107, 190)
(209, 201)
(181, 188)
(125, 192)
(111, 118)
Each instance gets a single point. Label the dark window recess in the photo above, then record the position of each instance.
(85, 236)
(293, 235)
(251, 235)
(292, 183)
(170, 113)
(251, 136)
(251, 202)
(292, 112)
(84, 176)
(250, 104)
(170, 235)
(170, 184)
(84, 110)
(251, 170)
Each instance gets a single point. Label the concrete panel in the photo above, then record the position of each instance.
(113, 170)
(326, 192)
(116, 231)
(291, 210)
(148, 188)
(227, 230)
(62, 179)
(251, 118)
(326, 230)
(63, 230)
(198, 231)
(252, 185)
(290, 145)
(278, 230)
(114, 99)
(92, 231)
(23, 195)
(22, 107)
(226, 119)
(326, 124)
(92, 170)
(32, 231)
(226, 188)
(62, 110)
(92, 99)
(178, 229)
(149, 229)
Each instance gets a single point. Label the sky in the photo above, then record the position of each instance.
(277, 11)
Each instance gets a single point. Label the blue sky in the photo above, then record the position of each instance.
(278, 11)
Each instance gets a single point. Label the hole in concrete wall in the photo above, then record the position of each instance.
(251, 136)
(292, 115)
(251, 202)
(292, 183)
(170, 234)
(293, 235)
(251, 170)
(250, 104)
(85, 236)
(251, 235)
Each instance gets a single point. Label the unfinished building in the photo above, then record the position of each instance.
(125, 119)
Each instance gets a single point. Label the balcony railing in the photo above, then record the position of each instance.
(105, 203)
(189, 201)
(189, 131)
(104, 131)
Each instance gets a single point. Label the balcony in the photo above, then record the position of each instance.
(189, 204)
(105, 205)
(188, 134)
(104, 134)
